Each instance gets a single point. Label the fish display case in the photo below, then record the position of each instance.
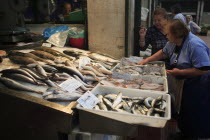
(93, 117)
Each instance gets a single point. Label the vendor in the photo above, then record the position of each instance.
(154, 35)
(189, 60)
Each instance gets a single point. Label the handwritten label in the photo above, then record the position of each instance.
(70, 84)
(88, 100)
(46, 45)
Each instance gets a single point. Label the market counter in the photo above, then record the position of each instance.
(24, 111)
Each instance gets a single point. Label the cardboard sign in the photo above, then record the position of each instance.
(88, 100)
(70, 84)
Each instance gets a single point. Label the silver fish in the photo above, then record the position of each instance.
(108, 103)
(148, 102)
(117, 100)
(17, 86)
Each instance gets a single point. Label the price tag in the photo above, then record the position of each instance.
(88, 100)
(46, 45)
(70, 84)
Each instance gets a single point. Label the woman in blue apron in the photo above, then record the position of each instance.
(189, 60)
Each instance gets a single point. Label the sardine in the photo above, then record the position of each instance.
(108, 103)
(34, 74)
(117, 100)
(17, 86)
(148, 102)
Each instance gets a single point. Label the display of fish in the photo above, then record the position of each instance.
(149, 106)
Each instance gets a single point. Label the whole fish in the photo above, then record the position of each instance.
(44, 55)
(17, 86)
(70, 70)
(21, 77)
(19, 71)
(16, 53)
(71, 96)
(22, 60)
(54, 52)
(47, 68)
(34, 74)
(117, 100)
(78, 79)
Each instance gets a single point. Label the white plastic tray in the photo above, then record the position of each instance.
(131, 118)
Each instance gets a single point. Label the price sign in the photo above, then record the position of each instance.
(70, 84)
(88, 100)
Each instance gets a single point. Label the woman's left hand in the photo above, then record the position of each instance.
(174, 72)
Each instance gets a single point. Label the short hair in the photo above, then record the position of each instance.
(160, 11)
(176, 9)
(177, 28)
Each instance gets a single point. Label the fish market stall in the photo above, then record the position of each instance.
(50, 80)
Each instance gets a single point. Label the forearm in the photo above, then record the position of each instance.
(191, 72)
(157, 56)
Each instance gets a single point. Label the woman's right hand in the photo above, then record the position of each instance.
(142, 32)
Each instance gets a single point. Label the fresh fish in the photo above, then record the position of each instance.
(71, 96)
(23, 78)
(22, 60)
(93, 70)
(17, 86)
(102, 106)
(85, 72)
(54, 52)
(50, 83)
(126, 107)
(40, 70)
(70, 70)
(47, 68)
(96, 107)
(150, 86)
(120, 110)
(150, 111)
(78, 79)
(117, 100)
(120, 105)
(157, 115)
(111, 96)
(44, 55)
(16, 53)
(19, 71)
(34, 74)
(102, 58)
(108, 103)
(148, 102)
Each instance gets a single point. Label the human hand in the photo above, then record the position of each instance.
(174, 72)
(143, 62)
(142, 32)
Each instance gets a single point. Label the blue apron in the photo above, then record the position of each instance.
(194, 119)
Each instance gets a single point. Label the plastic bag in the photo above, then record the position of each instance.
(52, 30)
(76, 32)
(58, 39)
(144, 13)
